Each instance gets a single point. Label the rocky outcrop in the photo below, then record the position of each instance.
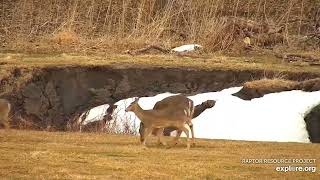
(313, 124)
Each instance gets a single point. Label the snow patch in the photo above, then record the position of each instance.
(187, 48)
(273, 117)
(95, 114)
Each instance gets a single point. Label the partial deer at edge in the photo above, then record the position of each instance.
(5, 108)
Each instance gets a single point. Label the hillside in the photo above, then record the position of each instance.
(61, 155)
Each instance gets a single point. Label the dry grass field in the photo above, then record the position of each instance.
(65, 155)
(215, 61)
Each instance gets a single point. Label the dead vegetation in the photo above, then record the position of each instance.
(270, 84)
(258, 88)
(295, 57)
(114, 26)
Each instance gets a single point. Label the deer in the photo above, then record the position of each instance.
(162, 118)
(176, 102)
(198, 109)
(5, 108)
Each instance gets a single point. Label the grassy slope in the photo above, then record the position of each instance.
(61, 155)
(263, 62)
(28, 154)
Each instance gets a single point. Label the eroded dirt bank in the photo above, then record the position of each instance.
(47, 98)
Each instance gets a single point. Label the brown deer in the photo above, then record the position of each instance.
(176, 102)
(162, 118)
(5, 107)
(198, 109)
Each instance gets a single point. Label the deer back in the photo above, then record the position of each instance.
(177, 103)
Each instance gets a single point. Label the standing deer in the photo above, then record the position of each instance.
(178, 102)
(161, 118)
(4, 112)
(198, 109)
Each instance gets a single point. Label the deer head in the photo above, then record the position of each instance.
(133, 105)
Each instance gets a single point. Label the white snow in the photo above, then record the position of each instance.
(129, 122)
(273, 117)
(95, 114)
(187, 48)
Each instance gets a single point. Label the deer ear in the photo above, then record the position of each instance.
(136, 99)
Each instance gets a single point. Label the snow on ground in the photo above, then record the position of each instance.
(128, 122)
(95, 114)
(187, 48)
(273, 117)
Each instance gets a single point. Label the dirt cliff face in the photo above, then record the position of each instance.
(48, 98)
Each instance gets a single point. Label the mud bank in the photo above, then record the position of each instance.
(48, 98)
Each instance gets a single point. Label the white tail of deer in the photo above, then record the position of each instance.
(4, 112)
(160, 119)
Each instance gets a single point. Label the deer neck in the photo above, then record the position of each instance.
(140, 113)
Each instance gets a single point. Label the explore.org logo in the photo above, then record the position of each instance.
(296, 169)
(296, 165)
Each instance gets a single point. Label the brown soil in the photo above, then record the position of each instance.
(49, 97)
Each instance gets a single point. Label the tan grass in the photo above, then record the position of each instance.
(60, 155)
(212, 62)
(270, 84)
(168, 23)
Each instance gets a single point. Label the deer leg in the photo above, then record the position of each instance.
(176, 139)
(4, 120)
(6, 123)
(185, 129)
(160, 135)
(146, 133)
(192, 134)
(141, 132)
